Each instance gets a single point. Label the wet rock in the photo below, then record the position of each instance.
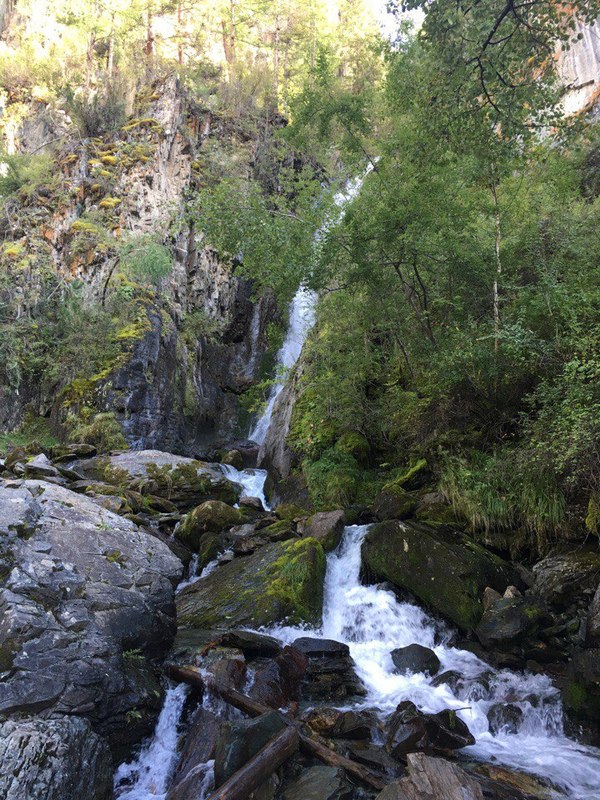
(409, 729)
(593, 620)
(431, 779)
(211, 516)
(252, 644)
(415, 658)
(504, 717)
(73, 450)
(183, 481)
(198, 747)
(506, 784)
(582, 692)
(319, 783)
(330, 672)
(476, 688)
(326, 527)
(509, 621)
(254, 503)
(87, 599)
(442, 568)
(54, 760)
(405, 730)
(393, 502)
(490, 596)
(283, 580)
(335, 724)
(240, 740)
(433, 508)
(226, 665)
(278, 683)
(567, 578)
(372, 756)
(234, 458)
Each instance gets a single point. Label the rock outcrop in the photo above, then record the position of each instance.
(87, 603)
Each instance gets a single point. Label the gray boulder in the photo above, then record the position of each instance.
(54, 760)
(86, 597)
(415, 658)
(184, 481)
(326, 527)
(431, 779)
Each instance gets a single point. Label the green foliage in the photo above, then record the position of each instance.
(145, 259)
(197, 324)
(101, 430)
(99, 113)
(23, 171)
(33, 429)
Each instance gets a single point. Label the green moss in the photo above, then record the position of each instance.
(297, 580)
(213, 516)
(103, 431)
(289, 512)
(408, 478)
(33, 429)
(354, 444)
(110, 202)
(592, 518)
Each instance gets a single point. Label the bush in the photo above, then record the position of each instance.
(18, 171)
(98, 114)
(102, 430)
(145, 259)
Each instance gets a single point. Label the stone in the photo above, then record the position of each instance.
(394, 502)
(409, 729)
(251, 643)
(319, 783)
(489, 597)
(326, 527)
(184, 481)
(432, 779)
(511, 593)
(510, 621)
(226, 666)
(282, 580)
(568, 577)
(415, 658)
(582, 692)
(198, 748)
(41, 467)
(278, 683)
(53, 759)
(211, 516)
(330, 672)
(335, 724)
(233, 458)
(507, 784)
(504, 717)
(86, 604)
(240, 740)
(254, 503)
(442, 568)
(593, 620)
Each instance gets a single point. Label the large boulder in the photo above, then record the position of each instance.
(211, 516)
(442, 568)
(408, 729)
(415, 658)
(184, 481)
(326, 527)
(431, 779)
(282, 580)
(511, 621)
(240, 740)
(330, 670)
(320, 783)
(86, 599)
(566, 578)
(54, 760)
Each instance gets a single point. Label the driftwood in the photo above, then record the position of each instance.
(256, 771)
(255, 709)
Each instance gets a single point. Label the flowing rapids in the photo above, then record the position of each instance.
(372, 622)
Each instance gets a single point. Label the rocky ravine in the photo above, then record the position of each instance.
(89, 570)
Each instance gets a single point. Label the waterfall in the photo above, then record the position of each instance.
(372, 622)
(301, 318)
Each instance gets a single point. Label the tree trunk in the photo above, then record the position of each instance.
(276, 43)
(256, 771)
(495, 289)
(255, 709)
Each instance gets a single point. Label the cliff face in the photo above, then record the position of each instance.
(171, 388)
(580, 71)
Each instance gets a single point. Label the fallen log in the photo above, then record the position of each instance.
(255, 709)
(256, 771)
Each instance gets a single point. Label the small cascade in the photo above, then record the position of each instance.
(252, 481)
(302, 315)
(372, 622)
(147, 778)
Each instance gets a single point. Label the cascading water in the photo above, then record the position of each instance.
(372, 622)
(301, 319)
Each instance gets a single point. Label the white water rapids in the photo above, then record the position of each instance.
(372, 622)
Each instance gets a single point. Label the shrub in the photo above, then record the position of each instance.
(102, 430)
(100, 113)
(145, 259)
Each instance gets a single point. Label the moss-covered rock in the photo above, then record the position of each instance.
(184, 481)
(233, 458)
(441, 567)
(289, 512)
(326, 527)
(283, 580)
(393, 502)
(212, 515)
